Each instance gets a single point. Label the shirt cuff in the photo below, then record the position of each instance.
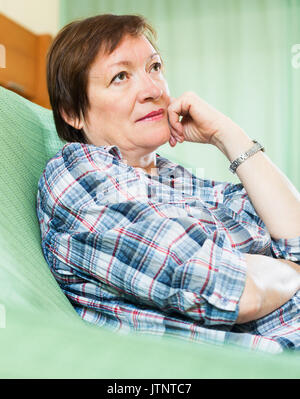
(219, 295)
(287, 248)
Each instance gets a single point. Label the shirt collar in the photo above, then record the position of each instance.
(114, 151)
(164, 165)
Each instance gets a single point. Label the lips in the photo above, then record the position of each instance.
(152, 114)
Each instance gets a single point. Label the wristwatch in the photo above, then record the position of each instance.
(245, 155)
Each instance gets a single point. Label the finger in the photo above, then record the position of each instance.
(176, 130)
(174, 122)
(172, 141)
(176, 136)
(176, 111)
(179, 136)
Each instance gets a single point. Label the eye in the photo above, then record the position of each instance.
(120, 76)
(157, 66)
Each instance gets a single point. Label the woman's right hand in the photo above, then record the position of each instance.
(199, 123)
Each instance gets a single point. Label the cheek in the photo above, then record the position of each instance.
(166, 90)
(115, 106)
(105, 110)
(167, 99)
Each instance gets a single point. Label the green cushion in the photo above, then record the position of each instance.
(41, 336)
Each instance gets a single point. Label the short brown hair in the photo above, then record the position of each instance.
(70, 57)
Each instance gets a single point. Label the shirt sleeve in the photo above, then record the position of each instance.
(287, 248)
(237, 199)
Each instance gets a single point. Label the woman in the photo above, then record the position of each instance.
(136, 242)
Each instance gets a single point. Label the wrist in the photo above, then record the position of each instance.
(232, 142)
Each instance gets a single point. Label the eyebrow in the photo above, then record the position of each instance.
(128, 63)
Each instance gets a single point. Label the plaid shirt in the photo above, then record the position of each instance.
(157, 254)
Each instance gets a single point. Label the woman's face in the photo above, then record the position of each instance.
(124, 87)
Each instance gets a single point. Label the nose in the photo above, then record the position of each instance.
(149, 90)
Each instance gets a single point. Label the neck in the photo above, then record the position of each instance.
(147, 162)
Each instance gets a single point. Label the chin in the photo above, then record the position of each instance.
(161, 137)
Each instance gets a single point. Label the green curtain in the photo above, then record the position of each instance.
(236, 55)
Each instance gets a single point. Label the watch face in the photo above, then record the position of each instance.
(246, 155)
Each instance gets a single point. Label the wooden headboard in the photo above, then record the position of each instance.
(23, 54)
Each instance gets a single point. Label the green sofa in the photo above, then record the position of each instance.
(41, 335)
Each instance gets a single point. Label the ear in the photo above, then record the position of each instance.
(75, 122)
